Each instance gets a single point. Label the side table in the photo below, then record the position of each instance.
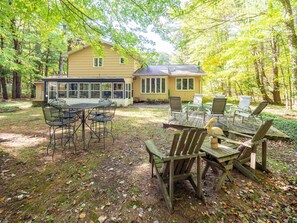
(221, 158)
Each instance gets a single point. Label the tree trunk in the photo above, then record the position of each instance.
(275, 91)
(4, 87)
(61, 64)
(261, 78)
(16, 79)
(2, 74)
(292, 40)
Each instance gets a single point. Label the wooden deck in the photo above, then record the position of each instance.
(195, 119)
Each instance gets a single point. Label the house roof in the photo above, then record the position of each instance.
(171, 70)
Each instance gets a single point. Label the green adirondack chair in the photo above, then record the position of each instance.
(256, 113)
(178, 163)
(248, 150)
(176, 108)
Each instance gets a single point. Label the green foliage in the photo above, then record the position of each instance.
(285, 125)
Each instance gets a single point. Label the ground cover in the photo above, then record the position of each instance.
(114, 185)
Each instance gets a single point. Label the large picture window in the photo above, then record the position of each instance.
(84, 90)
(52, 90)
(73, 89)
(95, 90)
(128, 91)
(185, 84)
(118, 90)
(106, 90)
(62, 90)
(153, 85)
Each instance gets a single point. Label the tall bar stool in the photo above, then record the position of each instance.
(99, 125)
(54, 119)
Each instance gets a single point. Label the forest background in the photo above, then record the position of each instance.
(247, 47)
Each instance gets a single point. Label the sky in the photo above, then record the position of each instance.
(161, 45)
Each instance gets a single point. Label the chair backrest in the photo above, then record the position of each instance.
(244, 102)
(188, 142)
(57, 102)
(255, 141)
(259, 108)
(261, 132)
(110, 109)
(50, 113)
(197, 99)
(218, 106)
(175, 104)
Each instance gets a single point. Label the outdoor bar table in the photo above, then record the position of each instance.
(83, 107)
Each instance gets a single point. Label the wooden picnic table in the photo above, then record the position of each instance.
(221, 158)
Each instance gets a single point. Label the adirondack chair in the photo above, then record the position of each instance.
(248, 150)
(197, 102)
(244, 103)
(178, 163)
(176, 108)
(217, 109)
(251, 114)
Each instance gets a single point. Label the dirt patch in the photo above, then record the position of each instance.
(115, 185)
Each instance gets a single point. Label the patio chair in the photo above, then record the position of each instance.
(197, 102)
(100, 121)
(53, 118)
(244, 103)
(177, 165)
(176, 108)
(217, 109)
(251, 114)
(248, 150)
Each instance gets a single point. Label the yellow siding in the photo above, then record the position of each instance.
(170, 84)
(39, 91)
(185, 95)
(80, 64)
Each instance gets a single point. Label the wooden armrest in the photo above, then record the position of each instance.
(229, 140)
(151, 148)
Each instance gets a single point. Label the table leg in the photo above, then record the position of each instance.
(83, 120)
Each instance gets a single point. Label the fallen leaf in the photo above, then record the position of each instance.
(82, 215)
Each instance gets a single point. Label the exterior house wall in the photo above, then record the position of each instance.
(139, 96)
(80, 64)
(186, 95)
(39, 91)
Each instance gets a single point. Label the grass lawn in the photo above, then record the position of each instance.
(114, 184)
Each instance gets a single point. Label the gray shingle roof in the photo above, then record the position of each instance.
(171, 69)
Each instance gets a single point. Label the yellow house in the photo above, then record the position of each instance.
(161, 81)
(91, 77)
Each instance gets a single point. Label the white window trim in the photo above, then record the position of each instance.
(98, 61)
(182, 84)
(155, 93)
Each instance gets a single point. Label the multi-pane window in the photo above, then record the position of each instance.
(153, 85)
(84, 90)
(52, 90)
(98, 62)
(185, 84)
(62, 90)
(73, 89)
(106, 90)
(128, 91)
(95, 90)
(118, 90)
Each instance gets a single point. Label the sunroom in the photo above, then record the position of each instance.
(91, 90)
